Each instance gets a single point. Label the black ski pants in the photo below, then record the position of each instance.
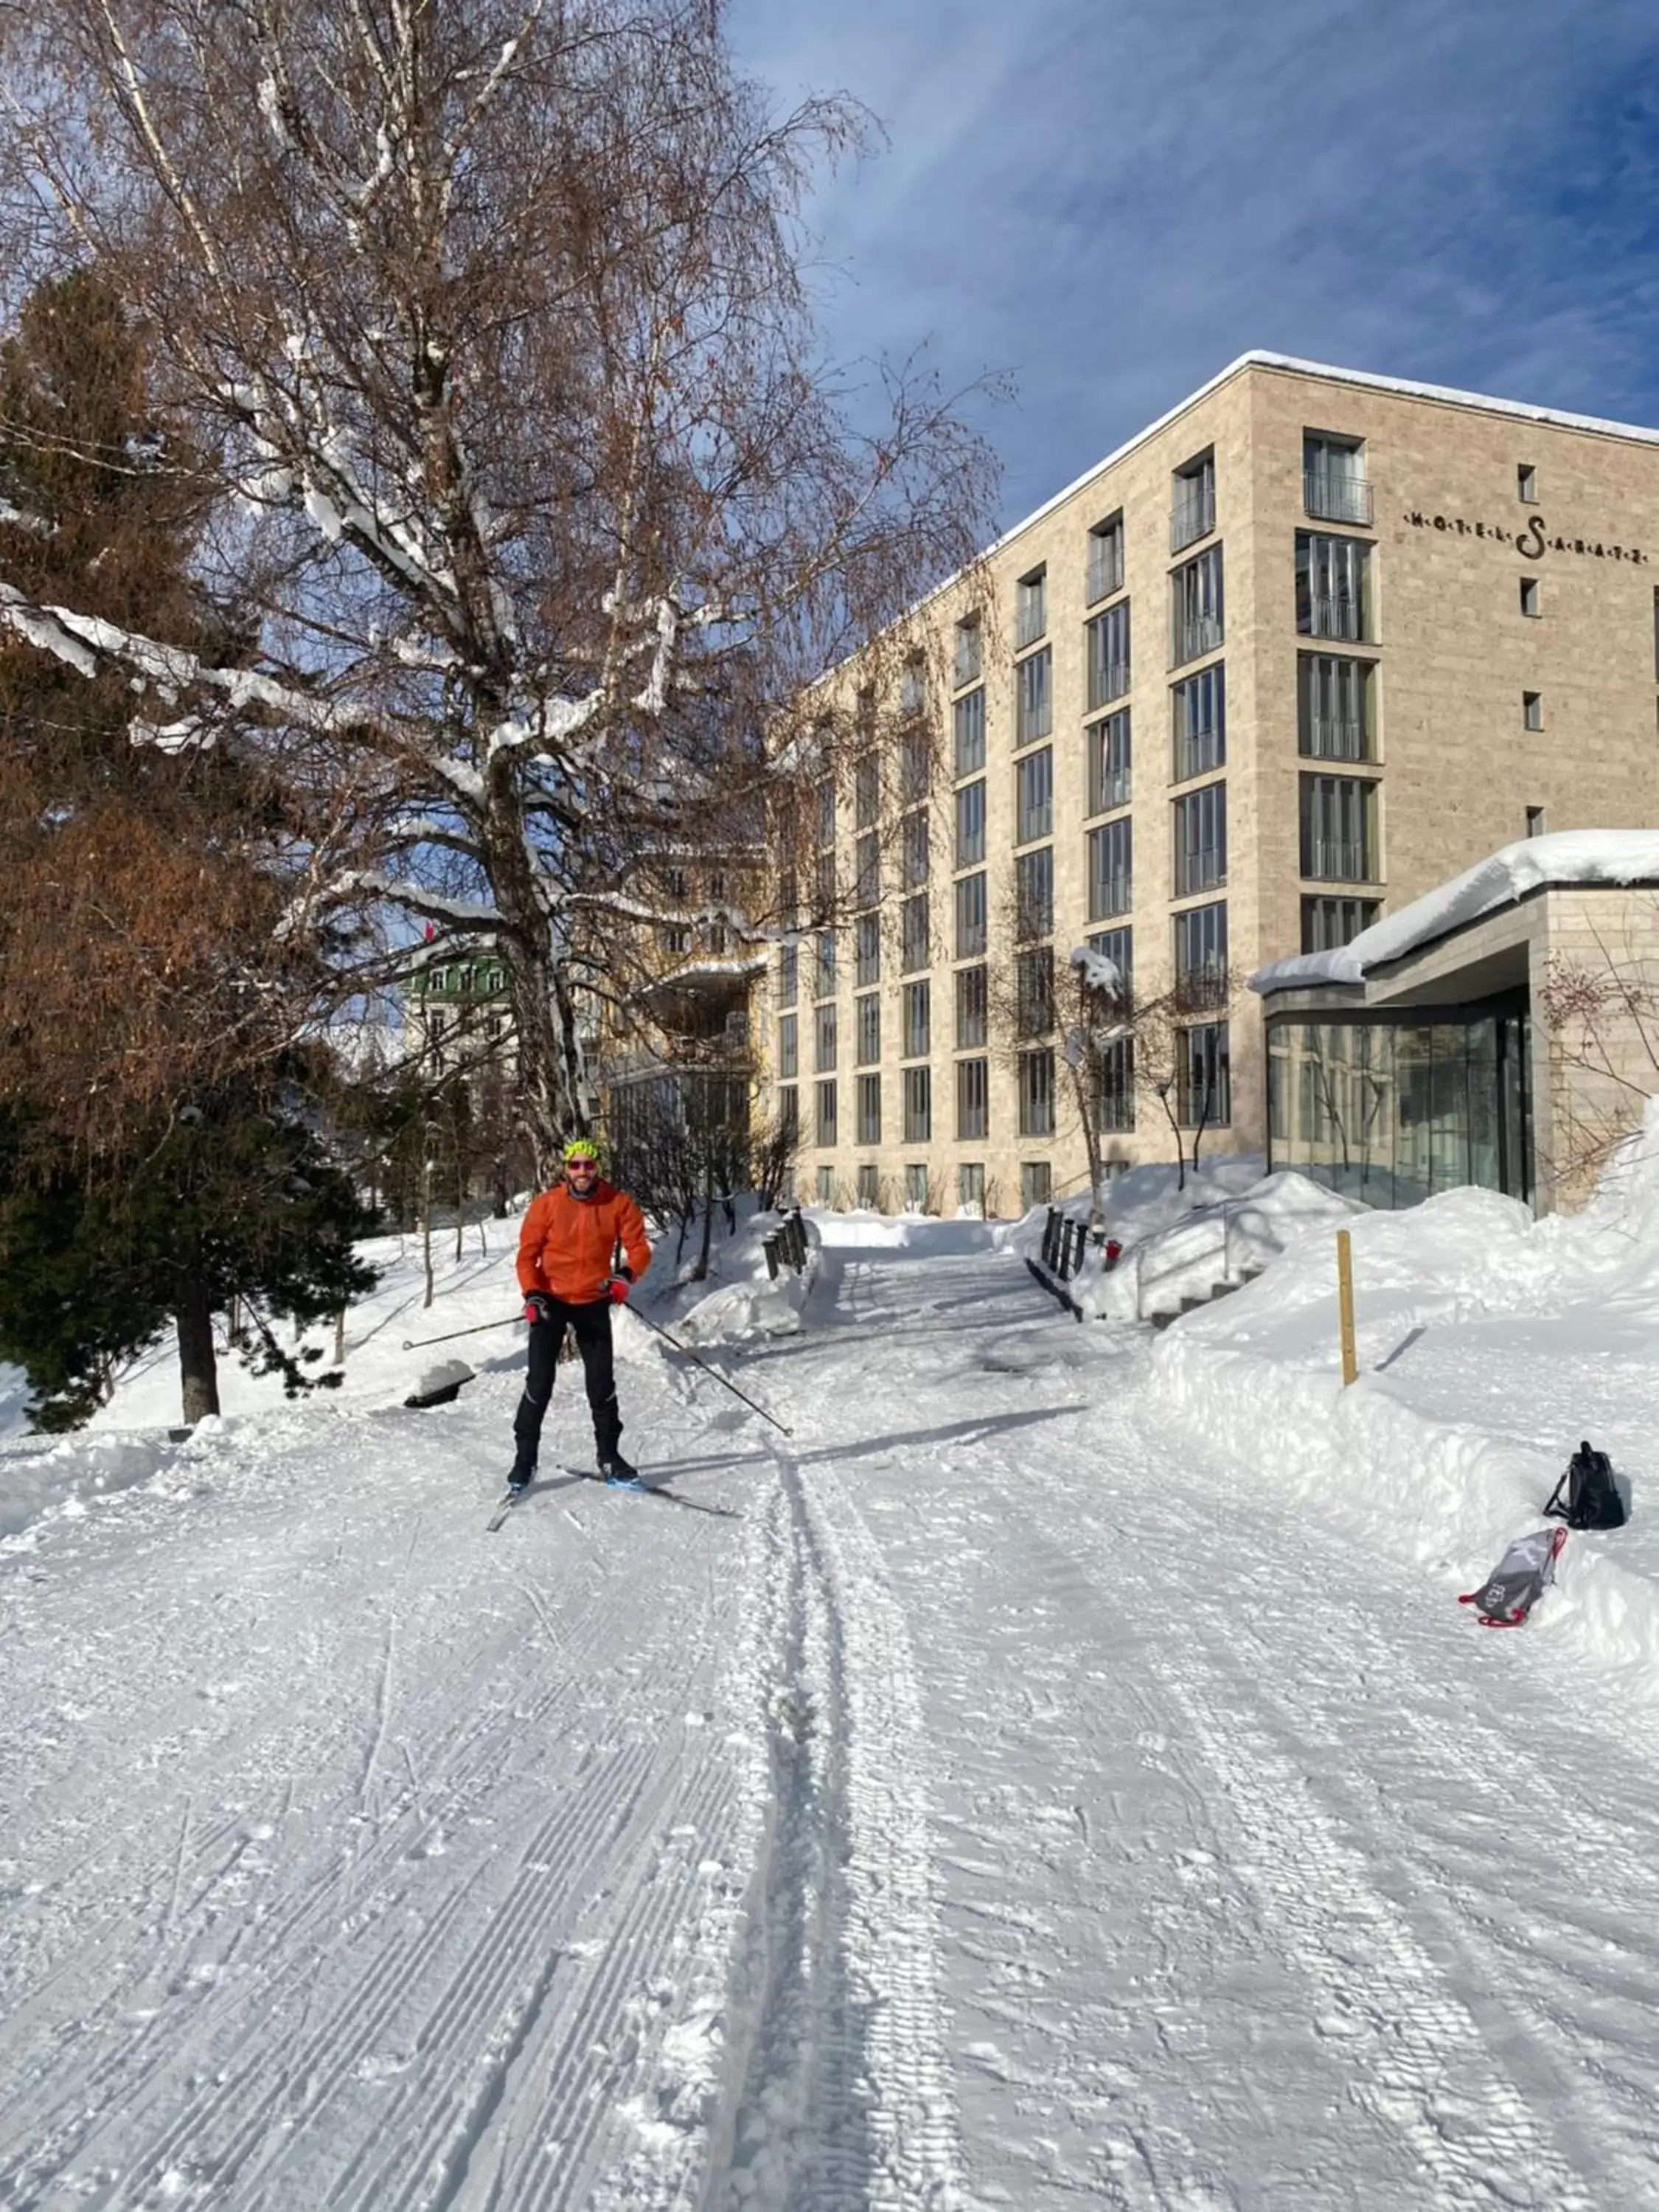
(591, 1325)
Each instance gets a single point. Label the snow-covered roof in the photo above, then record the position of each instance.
(1513, 873)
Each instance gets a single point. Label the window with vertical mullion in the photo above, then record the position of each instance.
(1105, 559)
(1034, 992)
(1036, 1092)
(867, 1012)
(968, 721)
(970, 824)
(918, 1086)
(1333, 586)
(1200, 722)
(1201, 840)
(1334, 719)
(788, 1047)
(1196, 607)
(1034, 893)
(1107, 642)
(1034, 796)
(970, 917)
(1034, 705)
(1108, 763)
(969, 654)
(918, 1020)
(1111, 869)
(825, 1032)
(1200, 956)
(868, 966)
(913, 935)
(972, 1005)
(869, 1113)
(867, 791)
(1030, 608)
(973, 1098)
(1338, 828)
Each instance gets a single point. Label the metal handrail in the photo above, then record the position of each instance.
(1331, 737)
(1336, 616)
(1337, 495)
(1191, 518)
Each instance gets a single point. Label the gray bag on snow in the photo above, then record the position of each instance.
(1519, 1580)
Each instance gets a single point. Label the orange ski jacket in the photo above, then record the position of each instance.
(566, 1244)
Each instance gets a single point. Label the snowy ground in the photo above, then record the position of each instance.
(1058, 1773)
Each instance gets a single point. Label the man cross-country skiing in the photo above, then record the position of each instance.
(566, 1249)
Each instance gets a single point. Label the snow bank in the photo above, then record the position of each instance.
(1489, 1344)
(60, 1477)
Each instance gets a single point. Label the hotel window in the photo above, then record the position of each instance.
(1200, 956)
(969, 654)
(1034, 993)
(913, 935)
(826, 1114)
(913, 687)
(869, 1180)
(788, 1046)
(1034, 796)
(1526, 484)
(915, 767)
(1203, 1077)
(869, 1111)
(1030, 608)
(789, 1113)
(918, 1004)
(827, 1184)
(673, 937)
(1201, 840)
(973, 1098)
(1529, 595)
(971, 1188)
(1111, 869)
(1338, 828)
(1333, 586)
(1532, 709)
(971, 1003)
(1106, 559)
(970, 825)
(823, 883)
(868, 970)
(1535, 822)
(1201, 723)
(826, 964)
(1108, 762)
(1195, 606)
(1034, 702)
(968, 717)
(788, 975)
(826, 813)
(918, 1084)
(866, 1013)
(1036, 1183)
(915, 1176)
(1334, 478)
(867, 791)
(913, 849)
(1037, 1093)
(1107, 638)
(1192, 513)
(1117, 946)
(1034, 893)
(1328, 922)
(970, 918)
(1334, 707)
(824, 1064)
(866, 869)
(1114, 1084)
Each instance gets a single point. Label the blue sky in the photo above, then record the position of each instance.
(1109, 199)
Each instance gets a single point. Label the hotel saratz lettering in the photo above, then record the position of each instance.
(1532, 543)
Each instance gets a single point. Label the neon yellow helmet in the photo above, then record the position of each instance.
(581, 1148)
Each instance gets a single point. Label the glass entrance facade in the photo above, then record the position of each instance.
(1393, 1107)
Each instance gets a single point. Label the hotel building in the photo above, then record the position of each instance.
(1306, 646)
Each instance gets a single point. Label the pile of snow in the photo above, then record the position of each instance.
(1489, 1344)
(749, 1303)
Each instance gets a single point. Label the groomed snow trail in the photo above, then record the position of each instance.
(985, 1799)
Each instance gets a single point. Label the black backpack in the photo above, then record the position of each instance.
(1592, 1500)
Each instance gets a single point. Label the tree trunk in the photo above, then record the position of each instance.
(198, 1371)
(1091, 1140)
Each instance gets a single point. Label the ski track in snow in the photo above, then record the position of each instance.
(986, 1801)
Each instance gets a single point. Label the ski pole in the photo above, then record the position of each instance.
(707, 1370)
(418, 1343)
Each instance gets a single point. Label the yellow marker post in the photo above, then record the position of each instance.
(1345, 1305)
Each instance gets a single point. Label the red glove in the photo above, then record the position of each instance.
(537, 1308)
(619, 1288)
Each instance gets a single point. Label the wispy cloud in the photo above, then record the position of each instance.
(1111, 199)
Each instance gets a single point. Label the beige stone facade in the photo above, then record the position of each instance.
(1421, 624)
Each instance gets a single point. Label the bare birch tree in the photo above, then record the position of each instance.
(532, 491)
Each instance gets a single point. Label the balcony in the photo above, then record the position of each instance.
(1337, 495)
(1337, 861)
(1108, 680)
(1326, 737)
(1191, 517)
(1105, 568)
(1198, 634)
(1335, 617)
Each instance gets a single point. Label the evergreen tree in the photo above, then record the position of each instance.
(237, 1201)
